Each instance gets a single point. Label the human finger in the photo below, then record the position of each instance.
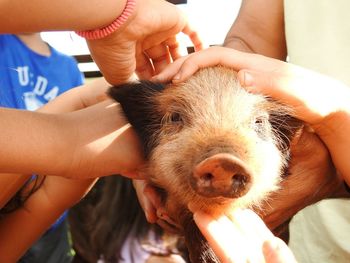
(293, 87)
(253, 230)
(194, 37)
(227, 57)
(210, 57)
(159, 56)
(223, 236)
(251, 223)
(276, 251)
(167, 74)
(196, 61)
(173, 47)
(272, 84)
(185, 67)
(144, 67)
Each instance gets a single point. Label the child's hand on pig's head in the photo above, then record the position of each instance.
(183, 68)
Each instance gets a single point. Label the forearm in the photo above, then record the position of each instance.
(78, 98)
(43, 15)
(259, 28)
(72, 100)
(91, 142)
(20, 229)
(34, 142)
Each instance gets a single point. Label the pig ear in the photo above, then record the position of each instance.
(134, 92)
(287, 128)
(140, 108)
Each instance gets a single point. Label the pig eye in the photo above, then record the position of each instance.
(260, 120)
(172, 122)
(175, 118)
(261, 126)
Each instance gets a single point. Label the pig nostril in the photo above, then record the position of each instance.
(239, 181)
(208, 177)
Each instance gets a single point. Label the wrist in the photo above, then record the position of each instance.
(116, 24)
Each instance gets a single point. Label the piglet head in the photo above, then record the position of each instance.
(208, 143)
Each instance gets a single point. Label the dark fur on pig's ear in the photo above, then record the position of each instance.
(139, 105)
(287, 128)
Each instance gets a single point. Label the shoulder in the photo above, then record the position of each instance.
(63, 57)
(64, 61)
(67, 62)
(7, 39)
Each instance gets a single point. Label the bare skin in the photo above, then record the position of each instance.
(46, 152)
(242, 237)
(259, 28)
(22, 227)
(72, 100)
(81, 144)
(82, 134)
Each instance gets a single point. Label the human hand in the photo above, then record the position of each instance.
(290, 84)
(311, 178)
(242, 236)
(98, 139)
(183, 68)
(100, 143)
(146, 43)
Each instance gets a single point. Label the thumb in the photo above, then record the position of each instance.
(283, 87)
(276, 251)
(257, 81)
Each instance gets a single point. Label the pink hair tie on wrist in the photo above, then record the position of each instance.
(107, 30)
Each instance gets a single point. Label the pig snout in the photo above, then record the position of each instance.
(221, 175)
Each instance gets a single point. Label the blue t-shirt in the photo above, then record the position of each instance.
(29, 80)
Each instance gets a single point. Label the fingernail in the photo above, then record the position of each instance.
(177, 77)
(246, 80)
(200, 215)
(270, 248)
(191, 207)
